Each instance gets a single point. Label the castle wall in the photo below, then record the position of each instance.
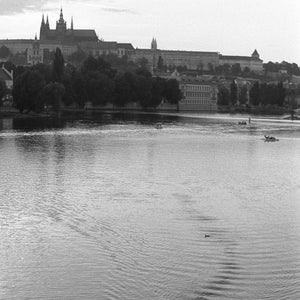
(193, 60)
(255, 65)
(17, 46)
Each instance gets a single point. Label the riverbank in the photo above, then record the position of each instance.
(10, 112)
(227, 113)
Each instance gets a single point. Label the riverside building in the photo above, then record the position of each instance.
(197, 96)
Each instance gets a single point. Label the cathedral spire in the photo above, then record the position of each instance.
(43, 20)
(72, 26)
(47, 23)
(61, 16)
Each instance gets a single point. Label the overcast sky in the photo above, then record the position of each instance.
(231, 27)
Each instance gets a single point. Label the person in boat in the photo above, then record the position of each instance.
(267, 137)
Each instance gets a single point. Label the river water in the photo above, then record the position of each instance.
(109, 207)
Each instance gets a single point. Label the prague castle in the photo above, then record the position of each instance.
(70, 40)
(61, 33)
(195, 60)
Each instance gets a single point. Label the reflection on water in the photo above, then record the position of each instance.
(112, 208)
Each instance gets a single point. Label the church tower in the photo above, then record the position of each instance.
(61, 26)
(255, 54)
(154, 44)
(47, 24)
(42, 29)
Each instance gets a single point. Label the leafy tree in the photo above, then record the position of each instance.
(181, 69)
(4, 52)
(243, 95)
(264, 94)
(99, 88)
(51, 95)
(226, 69)
(58, 65)
(143, 90)
(281, 92)
(3, 90)
(69, 96)
(158, 86)
(48, 56)
(211, 68)
(236, 69)
(233, 93)
(143, 72)
(223, 96)
(125, 89)
(172, 92)
(246, 71)
(254, 94)
(92, 64)
(200, 66)
(143, 63)
(77, 57)
(45, 71)
(27, 89)
(160, 63)
(79, 88)
(9, 66)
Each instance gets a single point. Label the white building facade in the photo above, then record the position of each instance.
(198, 96)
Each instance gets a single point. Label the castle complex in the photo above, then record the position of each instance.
(61, 33)
(70, 40)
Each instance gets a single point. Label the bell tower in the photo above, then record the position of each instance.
(61, 26)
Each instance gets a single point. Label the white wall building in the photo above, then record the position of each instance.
(198, 96)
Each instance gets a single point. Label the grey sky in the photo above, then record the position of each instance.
(233, 27)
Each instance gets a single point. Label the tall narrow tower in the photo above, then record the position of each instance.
(61, 25)
(42, 28)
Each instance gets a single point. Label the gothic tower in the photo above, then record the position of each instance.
(61, 26)
(42, 28)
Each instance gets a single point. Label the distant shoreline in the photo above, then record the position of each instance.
(9, 112)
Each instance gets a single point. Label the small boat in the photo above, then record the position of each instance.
(270, 139)
(242, 123)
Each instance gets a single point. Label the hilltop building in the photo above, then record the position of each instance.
(194, 60)
(64, 34)
(253, 62)
(34, 54)
(68, 40)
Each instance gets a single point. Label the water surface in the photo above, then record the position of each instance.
(109, 207)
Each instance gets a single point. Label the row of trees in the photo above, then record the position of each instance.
(95, 81)
(291, 68)
(3, 90)
(258, 94)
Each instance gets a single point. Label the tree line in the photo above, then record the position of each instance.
(95, 80)
(259, 94)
